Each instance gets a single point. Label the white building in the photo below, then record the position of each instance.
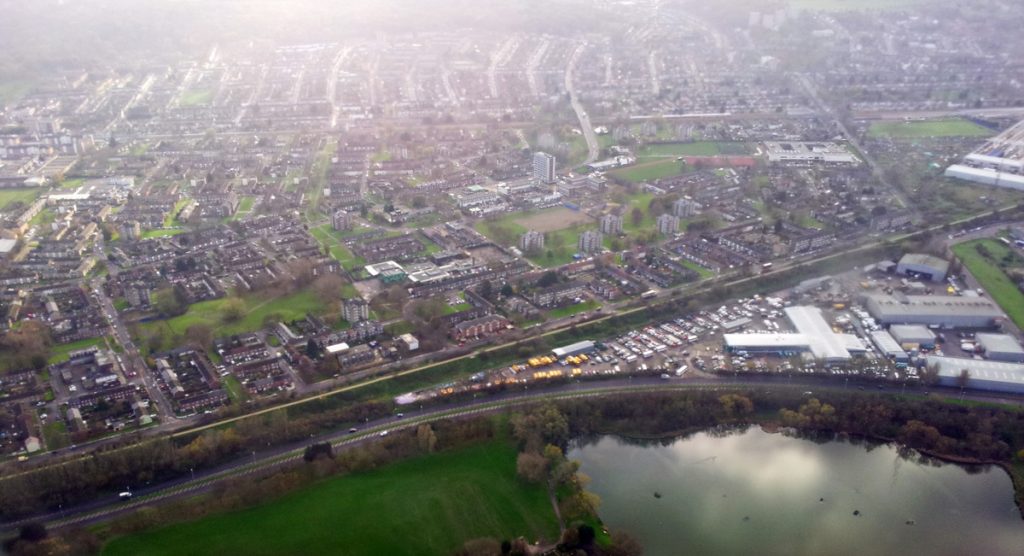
(668, 224)
(611, 224)
(590, 242)
(531, 240)
(685, 207)
(544, 167)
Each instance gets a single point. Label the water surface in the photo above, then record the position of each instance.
(751, 492)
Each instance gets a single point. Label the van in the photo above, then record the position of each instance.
(125, 495)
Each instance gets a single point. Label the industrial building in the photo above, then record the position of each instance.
(814, 335)
(913, 336)
(937, 310)
(998, 162)
(806, 152)
(925, 267)
(981, 374)
(1001, 347)
(888, 346)
(586, 346)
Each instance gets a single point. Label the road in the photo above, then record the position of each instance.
(593, 149)
(259, 462)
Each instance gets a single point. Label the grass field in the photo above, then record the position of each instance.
(698, 148)
(991, 277)
(195, 97)
(573, 309)
(59, 353)
(703, 272)
(652, 169)
(426, 505)
(150, 234)
(930, 128)
(26, 195)
(287, 308)
(331, 238)
(55, 433)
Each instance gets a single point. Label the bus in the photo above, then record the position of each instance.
(648, 294)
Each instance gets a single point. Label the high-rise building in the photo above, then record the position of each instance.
(531, 241)
(668, 224)
(590, 242)
(355, 310)
(543, 167)
(611, 224)
(341, 220)
(685, 207)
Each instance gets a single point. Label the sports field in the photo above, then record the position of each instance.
(651, 169)
(427, 505)
(929, 128)
(988, 273)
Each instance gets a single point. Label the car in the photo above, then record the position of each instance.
(383, 433)
(125, 495)
(353, 429)
(400, 415)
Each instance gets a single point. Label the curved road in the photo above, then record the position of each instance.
(272, 458)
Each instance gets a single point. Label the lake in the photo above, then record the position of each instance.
(752, 492)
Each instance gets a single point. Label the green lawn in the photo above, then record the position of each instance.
(236, 392)
(246, 204)
(650, 170)
(331, 239)
(150, 234)
(698, 148)
(930, 128)
(703, 272)
(991, 277)
(59, 353)
(195, 97)
(291, 307)
(55, 433)
(172, 219)
(574, 309)
(426, 505)
(25, 195)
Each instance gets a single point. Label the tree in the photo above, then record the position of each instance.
(199, 335)
(637, 216)
(168, 303)
(532, 467)
(316, 451)
(328, 288)
(486, 289)
(963, 378)
(233, 310)
(313, 349)
(426, 438)
(549, 278)
(506, 290)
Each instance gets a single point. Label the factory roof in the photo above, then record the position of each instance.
(779, 341)
(922, 259)
(937, 305)
(1000, 343)
(823, 342)
(979, 369)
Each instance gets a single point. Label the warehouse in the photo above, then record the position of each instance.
(938, 310)
(925, 267)
(1001, 347)
(981, 374)
(586, 346)
(913, 336)
(888, 346)
(813, 335)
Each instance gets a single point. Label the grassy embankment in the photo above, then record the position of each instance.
(991, 275)
(426, 505)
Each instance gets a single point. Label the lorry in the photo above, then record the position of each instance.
(681, 370)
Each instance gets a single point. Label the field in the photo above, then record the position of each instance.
(991, 276)
(286, 308)
(150, 234)
(59, 353)
(26, 195)
(650, 170)
(552, 219)
(931, 128)
(427, 505)
(196, 97)
(699, 148)
(573, 309)
(331, 239)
